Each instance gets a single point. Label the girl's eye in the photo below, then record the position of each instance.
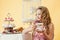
(39, 14)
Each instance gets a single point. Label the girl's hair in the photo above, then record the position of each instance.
(45, 17)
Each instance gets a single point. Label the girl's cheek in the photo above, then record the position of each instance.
(39, 16)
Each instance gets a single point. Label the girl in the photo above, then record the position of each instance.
(46, 29)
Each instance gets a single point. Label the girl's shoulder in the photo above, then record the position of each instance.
(51, 25)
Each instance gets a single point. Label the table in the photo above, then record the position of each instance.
(11, 37)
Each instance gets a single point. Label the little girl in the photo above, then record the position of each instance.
(42, 27)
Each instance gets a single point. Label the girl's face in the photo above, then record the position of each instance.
(38, 13)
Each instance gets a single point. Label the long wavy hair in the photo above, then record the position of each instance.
(45, 17)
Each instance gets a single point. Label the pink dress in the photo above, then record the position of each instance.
(38, 36)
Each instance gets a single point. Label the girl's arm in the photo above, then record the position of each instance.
(51, 32)
(29, 29)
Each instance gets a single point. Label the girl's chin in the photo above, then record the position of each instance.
(39, 31)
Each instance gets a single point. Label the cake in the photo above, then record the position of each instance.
(8, 27)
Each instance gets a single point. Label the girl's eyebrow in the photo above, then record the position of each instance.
(38, 14)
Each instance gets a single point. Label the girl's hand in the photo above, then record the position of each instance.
(45, 33)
